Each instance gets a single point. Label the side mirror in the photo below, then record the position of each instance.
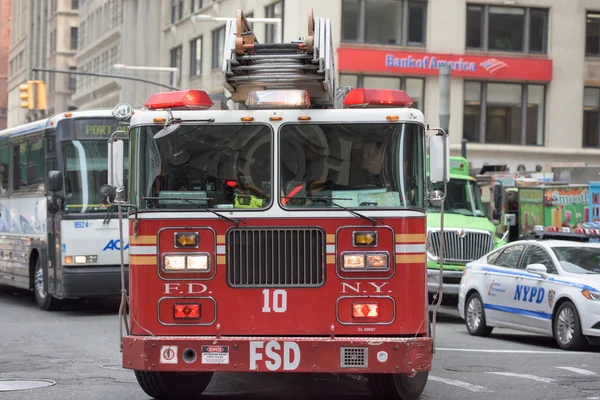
(107, 194)
(496, 214)
(498, 196)
(436, 198)
(439, 158)
(538, 269)
(55, 181)
(115, 163)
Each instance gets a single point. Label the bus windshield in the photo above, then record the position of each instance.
(86, 170)
(352, 165)
(204, 166)
(462, 197)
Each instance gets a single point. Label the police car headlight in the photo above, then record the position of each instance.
(591, 295)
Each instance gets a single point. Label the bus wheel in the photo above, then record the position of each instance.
(44, 300)
(173, 385)
(397, 387)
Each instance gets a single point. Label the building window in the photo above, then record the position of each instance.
(72, 79)
(389, 22)
(592, 34)
(415, 87)
(176, 63)
(274, 10)
(173, 11)
(591, 117)
(218, 41)
(196, 57)
(180, 9)
(504, 113)
(196, 5)
(74, 4)
(514, 29)
(74, 38)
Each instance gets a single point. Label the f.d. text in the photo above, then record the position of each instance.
(185, 288)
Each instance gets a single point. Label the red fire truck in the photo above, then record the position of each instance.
(286, 234)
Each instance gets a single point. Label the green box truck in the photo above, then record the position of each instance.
(468, 233)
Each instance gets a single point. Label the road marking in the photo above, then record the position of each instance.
(525, 376)
(579, 371)
(461, 384)
(566, 353)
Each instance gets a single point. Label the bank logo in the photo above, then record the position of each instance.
(493, 65)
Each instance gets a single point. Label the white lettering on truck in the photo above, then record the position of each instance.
(274, 355)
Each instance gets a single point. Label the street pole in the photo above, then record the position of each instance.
(445, 97)
(130, 78)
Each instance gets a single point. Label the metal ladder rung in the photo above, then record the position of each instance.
(275, 56)
(268, 67)
(271, 78)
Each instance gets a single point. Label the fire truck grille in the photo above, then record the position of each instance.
(354, 357)
(276, 257)
(461, 246)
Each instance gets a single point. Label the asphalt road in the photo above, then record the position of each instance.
(78, 349)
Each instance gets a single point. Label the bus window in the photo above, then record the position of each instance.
(4, 163)
(28, 162)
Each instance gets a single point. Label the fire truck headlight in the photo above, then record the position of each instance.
(377, 261)
(354, 261)
(198, 263)
(175, 263)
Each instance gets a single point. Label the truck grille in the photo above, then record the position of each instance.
(276, 257)
(460, 248)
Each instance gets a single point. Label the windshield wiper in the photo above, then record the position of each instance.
(234, 221)
(330, 200)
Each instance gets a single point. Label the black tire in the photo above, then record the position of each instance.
(173, 385)
(476, 325)
(572, 339)
(397, 386)
(43, 299)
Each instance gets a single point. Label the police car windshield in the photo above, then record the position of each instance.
(357, 165)
(462, 197)
(199, 166)
(579, 260)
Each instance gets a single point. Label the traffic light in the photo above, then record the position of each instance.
(33, 95)
(26, 95)
(41, 99)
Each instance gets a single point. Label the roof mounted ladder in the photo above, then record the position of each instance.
(306, 64)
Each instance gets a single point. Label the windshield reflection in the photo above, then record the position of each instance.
(462, 197)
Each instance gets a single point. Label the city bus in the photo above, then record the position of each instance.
(55, 237)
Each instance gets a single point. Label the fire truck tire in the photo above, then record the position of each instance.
(43, 299)
(173, 385)
(397, 386)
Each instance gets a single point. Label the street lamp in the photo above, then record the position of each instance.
(273, 21)
(143, 68)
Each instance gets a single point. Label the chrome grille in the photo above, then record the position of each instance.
(276, 257)
(469, 246)
(354, 357)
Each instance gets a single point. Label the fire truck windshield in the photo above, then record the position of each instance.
(366, 165)
(205, 166)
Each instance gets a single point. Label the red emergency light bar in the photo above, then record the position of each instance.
(564, 233)
(185, 99)
(363, 98)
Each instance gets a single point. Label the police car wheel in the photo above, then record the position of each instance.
(567, 328)
(44, 300)
(173, 385)
(397, 386)
(475, 316)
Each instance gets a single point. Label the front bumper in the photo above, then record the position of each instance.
(275, 354)
(590, 318)
(451, 280)
(103, 281)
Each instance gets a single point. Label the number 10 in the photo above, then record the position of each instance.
(279, 301)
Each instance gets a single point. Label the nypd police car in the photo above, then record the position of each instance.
(548, 285)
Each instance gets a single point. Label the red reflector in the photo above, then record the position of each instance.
(377, 98)
(361, 310)
(579, 230)
(186, 311)
(231, 183)
(552, 229)
(188, 99)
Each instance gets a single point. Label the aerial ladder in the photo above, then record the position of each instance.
(306, 64)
